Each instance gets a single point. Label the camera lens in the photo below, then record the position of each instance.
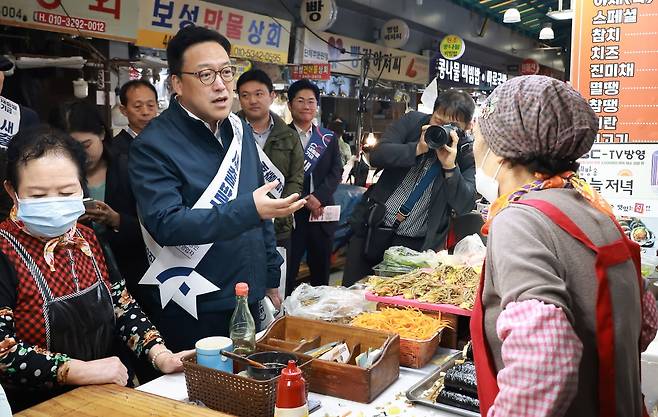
(436, 137)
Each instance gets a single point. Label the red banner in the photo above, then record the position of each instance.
(310, 71)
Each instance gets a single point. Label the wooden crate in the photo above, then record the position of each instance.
(348, 381)
(449, 334)
(418, 353)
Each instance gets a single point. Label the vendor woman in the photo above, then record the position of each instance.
(59, 314)
(562, 314)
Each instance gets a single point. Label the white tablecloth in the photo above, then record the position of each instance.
(392, 401)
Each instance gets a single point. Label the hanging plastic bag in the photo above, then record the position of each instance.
(335, 304)
(471, 251)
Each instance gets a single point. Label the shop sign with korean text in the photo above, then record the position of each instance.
(626, 175)
(529, 67)
(107, 19)
(395, 33)
(459, 74)
(319, 15)
(452, 47)
(392, 64)
(253, 36)
(310, 71)
(614, 66)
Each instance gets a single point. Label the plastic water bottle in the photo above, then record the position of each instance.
(243, 328)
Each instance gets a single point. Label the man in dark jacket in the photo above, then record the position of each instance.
(197, 178)
(139, 103)
(279, 142)
(323, 170)
(407, 160)
(27, 117)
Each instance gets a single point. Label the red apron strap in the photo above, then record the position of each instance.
(485, 368)
(559, 218)
(451, 239)
(606, 256)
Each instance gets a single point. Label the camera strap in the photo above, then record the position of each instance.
(415, 195)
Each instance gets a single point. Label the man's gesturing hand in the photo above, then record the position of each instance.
(271, 208)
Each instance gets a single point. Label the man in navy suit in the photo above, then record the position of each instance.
(28, 118)
(322, 174)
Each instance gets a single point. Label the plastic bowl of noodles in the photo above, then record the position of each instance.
(648, 266)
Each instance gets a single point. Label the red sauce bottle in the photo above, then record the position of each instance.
(291, 393)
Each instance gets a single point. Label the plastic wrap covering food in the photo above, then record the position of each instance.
(401, 257)
(461, 378)
(335, 304)
(469, 251)
(459, 400)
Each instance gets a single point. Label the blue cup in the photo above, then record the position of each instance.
(208, 353)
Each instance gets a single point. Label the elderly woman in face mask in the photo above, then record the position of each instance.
(61, 317)
(562, 314)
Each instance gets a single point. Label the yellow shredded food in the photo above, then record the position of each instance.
(408, 323)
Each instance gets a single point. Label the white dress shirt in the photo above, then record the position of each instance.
(215, 133)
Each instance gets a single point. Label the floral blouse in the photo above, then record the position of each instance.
(23, 360)
(23, 364)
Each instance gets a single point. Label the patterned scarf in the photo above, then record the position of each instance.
(567, 179)
(67, 239)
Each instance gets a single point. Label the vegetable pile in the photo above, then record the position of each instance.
(446, 284)
(399, 257)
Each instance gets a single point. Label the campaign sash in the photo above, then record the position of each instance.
(10, 119)
(316, 147)
(172, 267)
(271, 173)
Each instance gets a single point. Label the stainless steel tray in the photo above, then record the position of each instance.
(415, 393)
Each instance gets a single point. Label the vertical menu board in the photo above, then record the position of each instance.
(615, 67)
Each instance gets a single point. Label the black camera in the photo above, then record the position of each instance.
(438, 136)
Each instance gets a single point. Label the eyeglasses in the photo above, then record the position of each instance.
(208, 76)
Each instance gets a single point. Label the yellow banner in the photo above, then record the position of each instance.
(253, 36)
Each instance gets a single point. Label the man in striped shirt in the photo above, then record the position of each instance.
(406, 159)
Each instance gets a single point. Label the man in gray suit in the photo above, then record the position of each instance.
(419, 189)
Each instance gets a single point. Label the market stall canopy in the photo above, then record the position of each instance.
(72, 62)
(533, 14)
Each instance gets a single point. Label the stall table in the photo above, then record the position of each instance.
(167, 396)
(113, 400)
(392, 401)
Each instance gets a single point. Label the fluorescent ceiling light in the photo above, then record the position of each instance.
(512, 16)
(547, 32)
(560, 13)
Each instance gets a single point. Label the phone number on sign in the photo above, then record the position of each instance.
(69, 22)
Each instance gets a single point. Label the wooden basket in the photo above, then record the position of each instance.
(233, 394)
(418, 353)
(348, 381)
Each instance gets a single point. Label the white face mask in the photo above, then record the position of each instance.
(485, 185)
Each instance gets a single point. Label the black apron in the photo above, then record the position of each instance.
(80, 325)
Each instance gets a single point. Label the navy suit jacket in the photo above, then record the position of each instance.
(327, 174)
(171, 163)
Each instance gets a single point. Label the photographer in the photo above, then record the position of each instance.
(429, 173)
